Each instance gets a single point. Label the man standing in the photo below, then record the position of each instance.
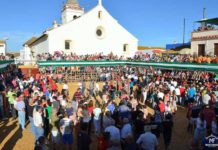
(147, 141)
(38, 122)
(11, 98)
(20, 107)
(2, 99)
(66, 128)
(84, 140)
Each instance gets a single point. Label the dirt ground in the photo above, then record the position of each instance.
(11, 138)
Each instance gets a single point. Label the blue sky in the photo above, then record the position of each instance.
(153, 22)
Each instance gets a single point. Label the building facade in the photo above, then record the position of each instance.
(95, 31)
(204, 41)
(2, 47)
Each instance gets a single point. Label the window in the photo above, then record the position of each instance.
(100, 15)
(67, 44)
(74, 17)
(100, 32)
(125, 47)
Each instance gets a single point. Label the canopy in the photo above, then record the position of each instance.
(213, 21)
(168, 65)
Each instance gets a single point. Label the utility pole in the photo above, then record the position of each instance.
(184, 27)
(204, 13)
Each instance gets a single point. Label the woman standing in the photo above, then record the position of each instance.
(20, 107)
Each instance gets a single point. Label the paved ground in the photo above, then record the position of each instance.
(12, 138)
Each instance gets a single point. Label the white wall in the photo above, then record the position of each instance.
(68, 14)
(82, 33)
(209, 43)
(209, 46)
(204, 33)
(2, 48)
(40, 46)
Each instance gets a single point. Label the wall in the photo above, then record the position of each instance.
(209, 38)
(40, 46)
(82, 33)
(2, 48)
(68, 14)
(209, 46)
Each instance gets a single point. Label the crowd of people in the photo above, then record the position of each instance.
(116, 113)
(155, 57)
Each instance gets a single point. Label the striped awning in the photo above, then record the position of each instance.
(178, 66)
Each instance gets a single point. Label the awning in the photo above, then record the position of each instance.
(213, 21)
(5, 63)
(168, 65)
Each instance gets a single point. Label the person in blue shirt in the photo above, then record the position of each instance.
(191, 93)
(131, 84)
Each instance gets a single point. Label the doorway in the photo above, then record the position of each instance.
(201, 50)
(216, 49)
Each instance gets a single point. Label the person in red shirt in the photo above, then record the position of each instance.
(103, 141)
(209, 115)
(54, 87)
(182, 93)
(26, 92)
(161, 106)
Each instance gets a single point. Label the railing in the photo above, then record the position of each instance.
(169, 65)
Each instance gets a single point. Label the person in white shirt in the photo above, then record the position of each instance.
(178, 94)
(38, 122)
(214, 127)
(206, 98)
(126, 129)
(172, 88)
(20, 107)
(96, 121)
(160, 95)
(107, 119)
(114, 133)
(200, 130)
(147, 141)
(65, 87)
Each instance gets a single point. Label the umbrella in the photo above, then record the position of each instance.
(158, 51)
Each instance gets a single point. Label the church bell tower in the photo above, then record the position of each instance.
(71, 11)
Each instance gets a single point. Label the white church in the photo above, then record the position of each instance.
(82, 32)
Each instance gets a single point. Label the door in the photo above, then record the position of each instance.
(216, 49)
(201, 50)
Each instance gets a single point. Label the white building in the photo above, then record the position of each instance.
(2, 47)
(84, 33)
(205, 40)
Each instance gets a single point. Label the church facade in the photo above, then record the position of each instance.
(95, 31)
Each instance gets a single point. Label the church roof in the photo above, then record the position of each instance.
(30, 41)
(73, 4)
